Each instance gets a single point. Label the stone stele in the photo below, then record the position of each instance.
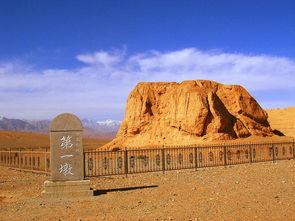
(66, 157)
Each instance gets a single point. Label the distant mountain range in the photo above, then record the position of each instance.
(101, 129)
(92, 129)
(102, 126)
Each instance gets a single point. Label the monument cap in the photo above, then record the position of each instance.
(66, 122)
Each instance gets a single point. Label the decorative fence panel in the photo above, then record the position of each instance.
(100, 163)
(38, 161)
(104, 163)
(179, 158)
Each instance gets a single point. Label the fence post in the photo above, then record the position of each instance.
(224, 151)
(196, 158)
(250, 152)
(273, 152)
(84, 160)
(45, 159)
(126, 161)
(163, 160)
(19, 158)
(9, 159)
(32, 159)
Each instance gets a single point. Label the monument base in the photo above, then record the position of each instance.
(67, 189)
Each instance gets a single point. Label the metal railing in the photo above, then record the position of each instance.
(27, 160)
(100, 163)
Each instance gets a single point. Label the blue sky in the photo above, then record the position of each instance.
(86, 56)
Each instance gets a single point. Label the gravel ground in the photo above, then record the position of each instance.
(262, 191)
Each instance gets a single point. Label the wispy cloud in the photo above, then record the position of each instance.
(100, 88)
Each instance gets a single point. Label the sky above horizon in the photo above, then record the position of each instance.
(85, 57)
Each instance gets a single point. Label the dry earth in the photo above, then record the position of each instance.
(29, 140)
(282, 120)
(262, 191)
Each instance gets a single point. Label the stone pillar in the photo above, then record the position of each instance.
(66, 159)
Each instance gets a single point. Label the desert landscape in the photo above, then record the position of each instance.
(263, 191)
(147, 110)
(260, 191)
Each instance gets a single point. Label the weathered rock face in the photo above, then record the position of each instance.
(169, 113)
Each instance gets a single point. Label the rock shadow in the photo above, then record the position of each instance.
(277, 132)
(100, 192)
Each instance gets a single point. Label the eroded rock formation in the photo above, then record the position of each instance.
(169, 113)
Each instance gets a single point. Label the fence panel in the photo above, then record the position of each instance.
(179, 158)
(238, 154)
(283, 151)
(261, 152)
(26, 160)
(99, 163)
(210, 156)
(104, 163)
(5, 158)
(26, 156)
(140, 161)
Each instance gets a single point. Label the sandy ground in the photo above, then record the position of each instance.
(28, 140)
(261, 191)
(282, 120)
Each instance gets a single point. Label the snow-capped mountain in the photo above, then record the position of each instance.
(102, 126)
(110, 123)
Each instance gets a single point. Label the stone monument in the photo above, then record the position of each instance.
(66, 159)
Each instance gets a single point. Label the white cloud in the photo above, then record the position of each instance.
(253, 72)
(101, 57)
(99, 89)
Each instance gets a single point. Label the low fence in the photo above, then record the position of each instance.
(100, 163)
(28, 160)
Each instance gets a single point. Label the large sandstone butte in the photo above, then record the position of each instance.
(170, 113)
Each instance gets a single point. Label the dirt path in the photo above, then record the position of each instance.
(262, 191)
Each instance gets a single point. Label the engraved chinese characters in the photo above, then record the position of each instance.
(66, 169)
(66, 148)
(66, 143)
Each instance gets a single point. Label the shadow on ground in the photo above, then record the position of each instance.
(100, 192)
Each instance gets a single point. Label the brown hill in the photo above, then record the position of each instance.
(282, 120)
(169, 113)
(18, 139)
(28, 140)
(99, 135)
